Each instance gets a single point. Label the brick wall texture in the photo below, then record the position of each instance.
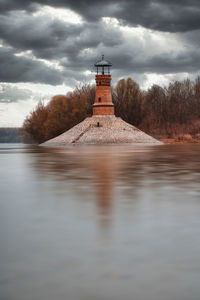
(103, 101)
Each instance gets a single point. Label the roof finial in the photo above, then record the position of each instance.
(102, 56)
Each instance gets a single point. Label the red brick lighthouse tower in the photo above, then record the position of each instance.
(103, 101)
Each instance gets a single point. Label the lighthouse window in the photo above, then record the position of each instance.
(99, 99)
(99, 82)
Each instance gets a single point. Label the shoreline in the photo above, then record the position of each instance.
(180, 142)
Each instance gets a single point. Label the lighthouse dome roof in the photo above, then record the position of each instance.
(103, 63)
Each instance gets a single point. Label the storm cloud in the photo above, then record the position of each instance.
(75, 47)
(22, 69)
(57, 42)
(164, 15)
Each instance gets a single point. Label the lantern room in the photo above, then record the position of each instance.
(103, 66)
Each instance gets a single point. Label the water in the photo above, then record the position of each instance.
(106, 222)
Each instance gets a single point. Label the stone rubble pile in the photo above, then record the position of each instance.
(102, 130)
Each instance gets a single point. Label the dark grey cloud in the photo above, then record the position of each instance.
(22, 69)
(24, 31)
(52, 39)
(163, 15)
(166, 64)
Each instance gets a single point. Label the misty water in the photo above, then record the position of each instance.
(100, 222)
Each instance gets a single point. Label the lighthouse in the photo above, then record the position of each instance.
(103, 100)
(103, 127)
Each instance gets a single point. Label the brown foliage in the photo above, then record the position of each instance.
(128, 100)
(34, 124)
(59, 115)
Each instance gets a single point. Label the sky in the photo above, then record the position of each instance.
(49, 47)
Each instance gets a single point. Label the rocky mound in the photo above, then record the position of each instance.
(102, 130)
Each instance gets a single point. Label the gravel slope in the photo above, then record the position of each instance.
(100, 130)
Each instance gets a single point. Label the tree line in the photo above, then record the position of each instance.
(160, 111)
(10, 135)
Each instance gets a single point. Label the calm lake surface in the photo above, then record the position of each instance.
(100, 222)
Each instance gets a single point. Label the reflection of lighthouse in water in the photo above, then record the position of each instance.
(104, 169)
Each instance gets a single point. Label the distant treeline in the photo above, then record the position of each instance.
(162, 112)
(11, 135)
